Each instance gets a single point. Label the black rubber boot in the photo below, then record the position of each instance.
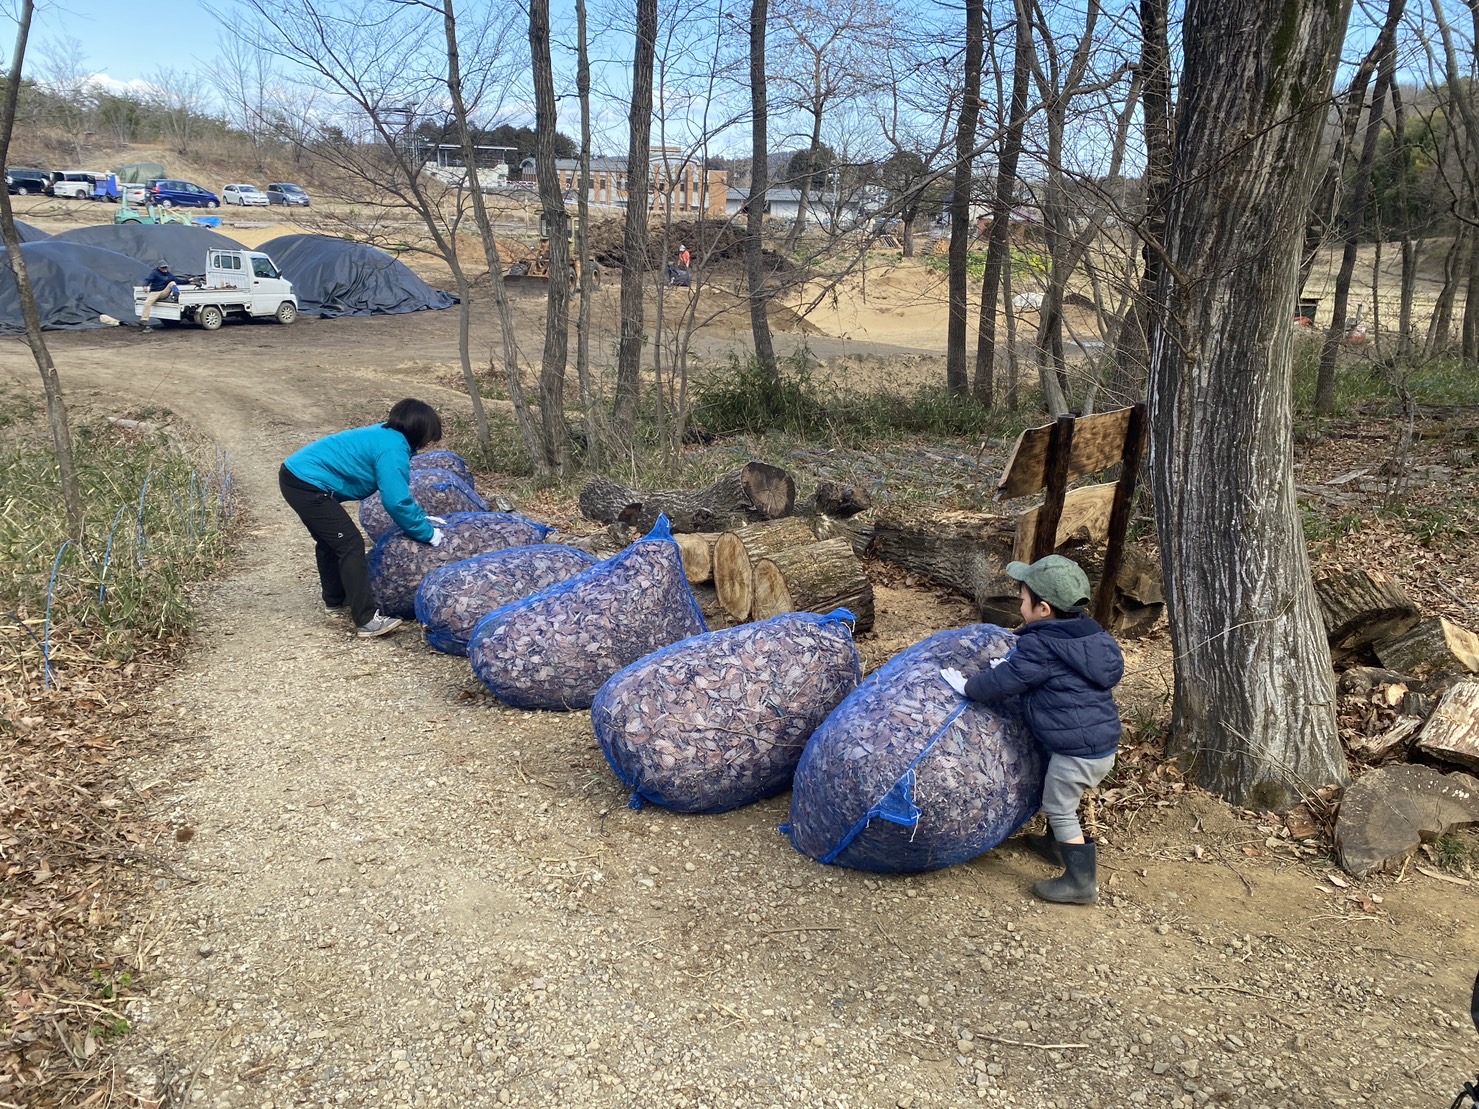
(1045, 847)
(1078, 884)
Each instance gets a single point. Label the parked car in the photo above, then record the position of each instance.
(169, 192)
(248, 196)
(24, 182)
(292, 196)
(76, 184)
(137, 194)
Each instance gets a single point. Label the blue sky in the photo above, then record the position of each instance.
(124, 41)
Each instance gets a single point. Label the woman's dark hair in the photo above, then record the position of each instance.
(417, 421)
(1058, 613)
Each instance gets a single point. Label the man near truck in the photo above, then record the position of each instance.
(160, 283)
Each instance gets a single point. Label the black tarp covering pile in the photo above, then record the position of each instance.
(182, 246)
(29, 234)
(334, 277)
(73, 283)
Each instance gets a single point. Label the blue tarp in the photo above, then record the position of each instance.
(73, 284)
(182, 246)
(334, 277)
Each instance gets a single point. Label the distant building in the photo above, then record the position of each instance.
(677, 184)
(822, 209)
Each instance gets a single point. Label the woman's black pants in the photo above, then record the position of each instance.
(338, 546)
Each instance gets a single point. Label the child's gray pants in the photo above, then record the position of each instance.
(1068, 777)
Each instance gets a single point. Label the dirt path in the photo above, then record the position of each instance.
(402, 894)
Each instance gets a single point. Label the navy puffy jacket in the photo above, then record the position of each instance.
(1063, 671)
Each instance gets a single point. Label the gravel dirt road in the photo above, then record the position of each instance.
(399, 893)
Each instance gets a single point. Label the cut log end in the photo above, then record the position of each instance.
(819, 577)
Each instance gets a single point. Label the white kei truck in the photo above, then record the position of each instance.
(236, 283)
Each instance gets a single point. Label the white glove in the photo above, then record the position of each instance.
(436, 521)
(437, 535)
(997, 662)
(955, 680)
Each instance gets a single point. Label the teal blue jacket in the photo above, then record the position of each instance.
(351, 465)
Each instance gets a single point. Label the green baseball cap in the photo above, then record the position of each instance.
(1055, 579)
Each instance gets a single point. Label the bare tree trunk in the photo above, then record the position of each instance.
(1469, 336)
(1014, 395)
(1326, 204)
(511, 369)
(793, 240)
(759, 187)
(1386, 43)
(634, 241)
(583, 247)
(960, 199)
(1440, 327)
(999, 242)
(1400, 160)
(56, 409)
(1132, 352)
(1254, 715)
(557, 307)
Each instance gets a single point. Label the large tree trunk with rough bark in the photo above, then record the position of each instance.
(634, 240)
(754, 491)
(1254, 715)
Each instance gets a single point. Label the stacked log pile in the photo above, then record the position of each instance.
(1407, 693)
(752, 549)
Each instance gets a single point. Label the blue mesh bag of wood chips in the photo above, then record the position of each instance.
(438, 492)
(720, 720)
(907, 775)
(556, 649)
(443, 460)
(398, 563)
(452, 599)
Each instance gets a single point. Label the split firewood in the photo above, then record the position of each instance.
(737, 551)
(817, 577)
(1361, 608)
(754, 491)
(1452, 732)
(1432, 647)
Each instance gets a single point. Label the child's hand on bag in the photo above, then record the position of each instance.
(955, 680)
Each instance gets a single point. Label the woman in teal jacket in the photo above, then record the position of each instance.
(349, 466)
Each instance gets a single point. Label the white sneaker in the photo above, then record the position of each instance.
(378, 625)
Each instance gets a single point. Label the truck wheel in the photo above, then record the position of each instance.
(287, 312)
(210, 318)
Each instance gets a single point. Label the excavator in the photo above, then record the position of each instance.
(535, 267)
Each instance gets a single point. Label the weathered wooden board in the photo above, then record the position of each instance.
(1098, 443)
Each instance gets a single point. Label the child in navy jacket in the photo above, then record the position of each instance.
(1062, 671)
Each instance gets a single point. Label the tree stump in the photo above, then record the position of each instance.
(697, 549)
(754, 491)
(1361, 608)
(1386, 813)
(737, 551)
(818, 577)
(1432, 647)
